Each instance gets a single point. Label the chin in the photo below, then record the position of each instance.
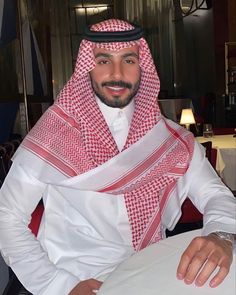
(115, 101)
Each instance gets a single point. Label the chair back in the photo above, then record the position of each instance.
(224, 130)
(211, 153)
(208, 147)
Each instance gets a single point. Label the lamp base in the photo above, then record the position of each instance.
(187, 126)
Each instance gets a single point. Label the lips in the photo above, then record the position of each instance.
(116, 90)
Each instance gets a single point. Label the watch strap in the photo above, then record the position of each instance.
(225, 236)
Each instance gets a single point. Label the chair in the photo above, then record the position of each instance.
(213, 157)
(224, 130)
(8, 113)
(3, 170)
(7, 149)
(208, 147)
(191, 218)
(10, 150)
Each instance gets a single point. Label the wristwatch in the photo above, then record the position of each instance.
(225, 236)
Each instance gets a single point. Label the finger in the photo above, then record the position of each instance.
(186, 258)
(197, 263)
(95, 291)
(209, 267)
(95, 284)
(203, 264)
(221, 274)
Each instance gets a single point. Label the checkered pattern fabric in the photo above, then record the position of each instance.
(73, 136)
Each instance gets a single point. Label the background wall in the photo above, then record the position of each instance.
(199, 78)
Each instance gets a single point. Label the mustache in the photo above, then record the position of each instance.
(118, 84)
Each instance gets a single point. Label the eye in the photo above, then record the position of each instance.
(130, 61)
(102, 62)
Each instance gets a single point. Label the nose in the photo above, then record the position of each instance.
(117, 71)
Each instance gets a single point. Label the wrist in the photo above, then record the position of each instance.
(228, 237)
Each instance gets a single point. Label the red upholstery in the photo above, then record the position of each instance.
(189, 213)
(36, 219)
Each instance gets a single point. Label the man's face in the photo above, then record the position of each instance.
(116, 76)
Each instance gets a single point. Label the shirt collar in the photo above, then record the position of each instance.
(110, 114)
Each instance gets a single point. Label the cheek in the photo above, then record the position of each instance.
(95, 85)
(98, 77)
(133, 74)
(94, 76)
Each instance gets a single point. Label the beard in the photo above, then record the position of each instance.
(116, 101)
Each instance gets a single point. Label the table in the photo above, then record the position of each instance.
(226, 157)
(152, 271)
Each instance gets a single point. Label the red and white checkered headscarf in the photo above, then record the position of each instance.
(73, 136)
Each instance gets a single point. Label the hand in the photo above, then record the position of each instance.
(86, 287)
(202, 257)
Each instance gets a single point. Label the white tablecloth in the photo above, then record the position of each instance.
(152, 271)
(226, 157)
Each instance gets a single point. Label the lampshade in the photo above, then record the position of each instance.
(191, 6)
(186, 5)
(187, 117)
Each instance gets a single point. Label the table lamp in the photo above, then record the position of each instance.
(187, 118)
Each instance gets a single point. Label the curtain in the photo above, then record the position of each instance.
(156, 17)
(60, 45)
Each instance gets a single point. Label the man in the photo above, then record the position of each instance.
(113, 173)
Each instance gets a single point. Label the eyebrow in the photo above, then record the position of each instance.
(132, 54)
(108, 55)
(101, 54)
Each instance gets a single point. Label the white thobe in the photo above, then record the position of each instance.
(87, 234)
(118, 121)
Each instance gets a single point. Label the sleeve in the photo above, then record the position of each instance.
(210, 195)
(20, 249)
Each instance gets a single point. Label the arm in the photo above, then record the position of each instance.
(218, 205)
(210, 195)
(19, 196)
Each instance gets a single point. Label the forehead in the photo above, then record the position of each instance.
(124, 51)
